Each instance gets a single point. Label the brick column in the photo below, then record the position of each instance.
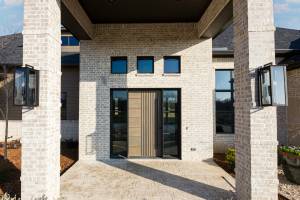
(41, 125)
(256, 128)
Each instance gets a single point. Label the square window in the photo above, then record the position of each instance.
(172, 64)
(145, 64)
(119, 65)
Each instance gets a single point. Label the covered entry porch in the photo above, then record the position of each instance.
(147, 179)
(113, 28)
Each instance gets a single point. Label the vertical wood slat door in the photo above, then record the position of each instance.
(143, 117)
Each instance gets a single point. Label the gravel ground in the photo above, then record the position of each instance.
(286, 188)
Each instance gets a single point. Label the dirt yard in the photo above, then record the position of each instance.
(10, 171)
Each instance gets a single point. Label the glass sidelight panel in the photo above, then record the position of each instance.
(119, 117)
(171, 132)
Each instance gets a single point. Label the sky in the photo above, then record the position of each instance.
(287, 15)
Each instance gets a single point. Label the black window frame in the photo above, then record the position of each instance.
(270, 69)
(172, 57)
(144, 58)
(231, 90)
(115, 58)
(113, 156)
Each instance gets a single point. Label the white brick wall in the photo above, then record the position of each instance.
(158, 40)
(255, 127)
(40, 173)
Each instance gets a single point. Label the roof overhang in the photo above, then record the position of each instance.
(211, 16)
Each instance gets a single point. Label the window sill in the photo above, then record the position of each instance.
(171, 74)
(144, 74)
(121, 74)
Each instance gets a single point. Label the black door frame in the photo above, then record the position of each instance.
(179, 137)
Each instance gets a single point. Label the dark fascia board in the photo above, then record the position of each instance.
(221, 23)
(293, 66)
(279, 52)
(72, 25)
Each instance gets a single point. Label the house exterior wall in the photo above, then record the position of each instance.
(294, 108)
(69, 130)
(69, 127)
(158, 40)
(70, 85)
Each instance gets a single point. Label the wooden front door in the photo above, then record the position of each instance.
(144, 123)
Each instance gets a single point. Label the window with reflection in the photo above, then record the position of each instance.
(118, 136)
(20, 86)
(171, 132)
(119, 65)
(171, 64)
(145, 64)
(32, 87)
(224, 95)
(279, 85)
(69, 41)
(266, 87)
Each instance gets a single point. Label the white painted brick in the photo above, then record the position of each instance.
(158, 40)
(40, 173)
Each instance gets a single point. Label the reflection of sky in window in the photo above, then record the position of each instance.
(119, 66)
(223, 96)
(64, 41)
(266, 98)
(120, 95)
(171, 65)
(170, 95)
(278, 86)
(145, 65)
(223, 79)
(20, 86)
(73, 41)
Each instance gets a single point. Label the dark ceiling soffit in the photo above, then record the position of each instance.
(223, 20)
(293, 66)
(70, 23)
(143, 11)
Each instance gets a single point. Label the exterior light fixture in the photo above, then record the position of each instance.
(272, 83)
(26, 86)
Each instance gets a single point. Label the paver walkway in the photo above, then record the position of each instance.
(145, 180)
